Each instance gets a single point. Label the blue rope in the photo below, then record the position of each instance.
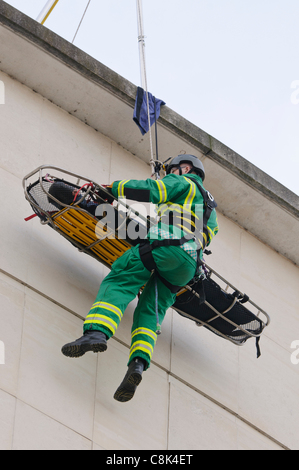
(158, 331)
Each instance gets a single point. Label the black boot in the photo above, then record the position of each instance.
(133, 377)
(92, 340)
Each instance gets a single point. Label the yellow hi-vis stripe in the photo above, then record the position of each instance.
(121, 188)
(145, 331)
(142, 346)
(172, 207)
(102, 320)
(162, 191)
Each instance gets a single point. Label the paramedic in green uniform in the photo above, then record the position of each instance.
(180, 207)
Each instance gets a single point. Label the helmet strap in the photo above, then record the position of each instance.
(190, 171)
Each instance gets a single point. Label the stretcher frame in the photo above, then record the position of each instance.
(71, 219)
(238, 296)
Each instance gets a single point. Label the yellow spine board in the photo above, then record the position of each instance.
(84, 229)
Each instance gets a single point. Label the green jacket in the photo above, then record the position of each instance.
(180, 206)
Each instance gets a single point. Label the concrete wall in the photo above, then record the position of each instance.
(201, 391)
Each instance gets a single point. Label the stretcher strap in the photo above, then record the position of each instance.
(30, 218)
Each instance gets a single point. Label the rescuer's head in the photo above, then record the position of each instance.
(182, 161)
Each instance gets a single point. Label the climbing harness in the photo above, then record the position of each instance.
(145, 252)
(209, 301)
(46, 11)
(146, 247)
(200, 238)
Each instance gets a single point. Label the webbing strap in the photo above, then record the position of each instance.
(170, 242)
(258, 349)
(145, 253)
(209, 204)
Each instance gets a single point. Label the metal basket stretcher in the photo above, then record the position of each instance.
(212, 302)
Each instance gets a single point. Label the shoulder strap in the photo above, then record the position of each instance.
(207, 196)
(209, 203)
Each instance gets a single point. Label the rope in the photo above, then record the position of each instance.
(81, 21)
(141, 41)
(46, 11)
(158, 331)
(78, 192)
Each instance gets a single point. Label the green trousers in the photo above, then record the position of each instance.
(127, 276)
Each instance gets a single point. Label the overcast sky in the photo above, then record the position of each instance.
(231, 67)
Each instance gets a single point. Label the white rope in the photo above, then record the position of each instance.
(46, 11)
(81, 21)
(141, 41)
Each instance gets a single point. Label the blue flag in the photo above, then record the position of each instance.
(140, 111)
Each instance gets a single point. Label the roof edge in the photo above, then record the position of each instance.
(94, 70)
(231, 161)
